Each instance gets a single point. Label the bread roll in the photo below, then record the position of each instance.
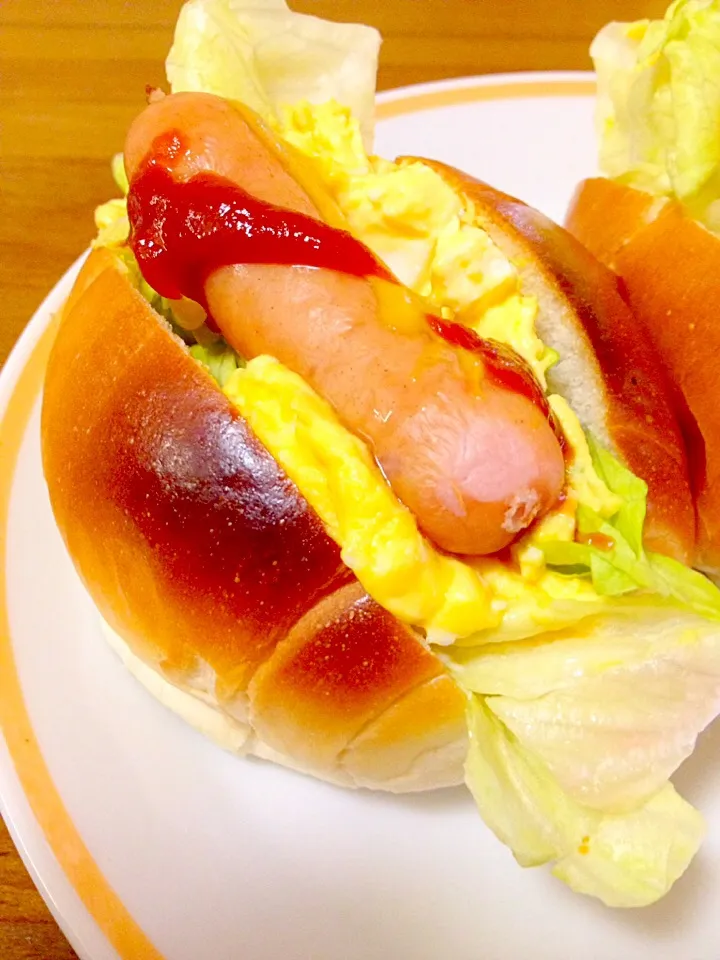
(209, 565)
(218, 583)
(605, 215)
(669, 264)
(608, 371)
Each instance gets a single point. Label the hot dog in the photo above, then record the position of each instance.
(475, 462)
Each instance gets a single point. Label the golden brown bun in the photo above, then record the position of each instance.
(208, 563)
(605, 215)
(610, 375)
(214, 573)
(669, 265)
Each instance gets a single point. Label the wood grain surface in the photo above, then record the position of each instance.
(73, 76)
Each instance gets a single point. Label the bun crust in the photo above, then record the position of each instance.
(608, 370)
(210, 565)
(669, 265)
(605, 216)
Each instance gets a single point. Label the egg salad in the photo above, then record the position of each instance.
(414, 221)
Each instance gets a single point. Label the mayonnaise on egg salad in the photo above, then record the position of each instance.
(588, 671)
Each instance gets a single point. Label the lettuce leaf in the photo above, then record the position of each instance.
(218, 358)
(117, 168)
(616, 561)
(613, 705)
(658, 108)
(692, 589)
(111, 218)
(576, 731)
(574, 736)
(630, 518)
(265, 55)
(626, 859)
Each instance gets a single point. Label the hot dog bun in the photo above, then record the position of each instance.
(612, 378)
(217, 580)
(603, 235)
(668, 263)
(211, 568)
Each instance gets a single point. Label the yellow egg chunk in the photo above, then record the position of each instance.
(112, 224)
(378, 536)
(513, 322)
(396, 210)
(468, 269)
(328, 133)
(530, 605)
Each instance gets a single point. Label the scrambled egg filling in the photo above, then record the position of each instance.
(409, 216)
(379, 536)
(338, 476)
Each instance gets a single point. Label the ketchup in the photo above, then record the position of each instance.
(506, 367)
(596, 539)
(182, 231)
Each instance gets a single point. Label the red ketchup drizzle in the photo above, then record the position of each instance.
(594, 539)
(502, 364)
(182, 231)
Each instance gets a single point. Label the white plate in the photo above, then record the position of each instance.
(147, 841)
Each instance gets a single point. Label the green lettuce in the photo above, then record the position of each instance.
(111, 218)
(627, 859)
(616, 561)
(611, 706)
(658, 107)
(264, 55)
(576, 731)
(218, 358)
(117, 168)
(573, 738)
(688, 587)
(630, 518)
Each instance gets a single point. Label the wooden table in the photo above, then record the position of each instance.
(73, 74)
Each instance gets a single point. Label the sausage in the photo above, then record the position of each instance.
(474, 461)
